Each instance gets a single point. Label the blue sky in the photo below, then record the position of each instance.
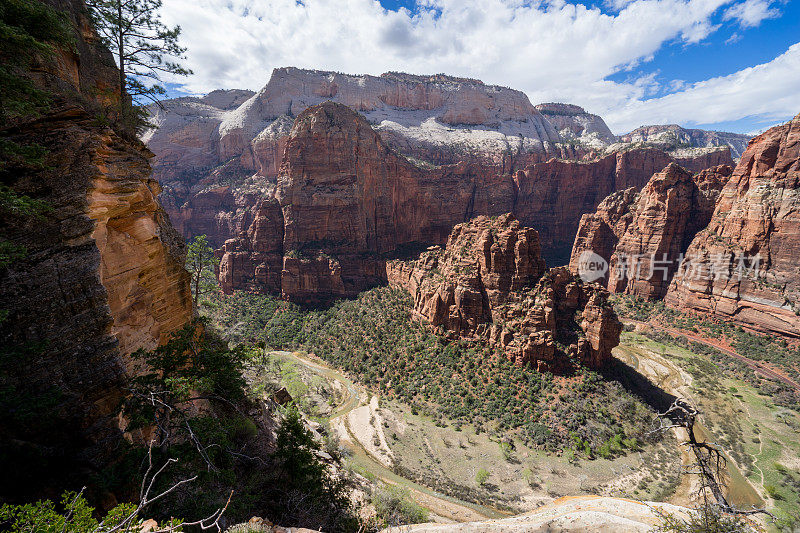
(718, 64)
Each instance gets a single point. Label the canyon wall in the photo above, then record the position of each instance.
(217, 155)
(674, 137)
(490, 280)
(574, 124)
(345, 202)
(553, 195)
(101, 275)
(744, 264)
(202, 144)
(642, 236)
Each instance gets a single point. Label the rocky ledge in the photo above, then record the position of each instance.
(490, 281)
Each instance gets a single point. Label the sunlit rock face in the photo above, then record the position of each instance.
(673, 137)
(101, 276)
(344, 202)
(642, 236)
(217, 155)
(490, 280)
(756, 223)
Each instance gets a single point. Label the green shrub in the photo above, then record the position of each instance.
(394, 507)
(482, 476)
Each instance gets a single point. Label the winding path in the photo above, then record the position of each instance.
(756, 366)
(441, 504)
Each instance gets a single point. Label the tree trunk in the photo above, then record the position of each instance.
(121, 53)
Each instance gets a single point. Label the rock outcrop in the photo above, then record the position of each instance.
(574, 124)
(437, 118)
(643, 236)
(673, 137)
(490, 280)
(743, 266)
(345, 202)
(101, 275)
(553, 195)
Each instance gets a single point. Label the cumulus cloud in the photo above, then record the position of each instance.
(768, 91)
(551, 49)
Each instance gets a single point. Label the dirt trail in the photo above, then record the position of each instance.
(670, 378)
(756, 366)
(440, 504)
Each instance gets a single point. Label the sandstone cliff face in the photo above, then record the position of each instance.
(234, 141)
(345, 202)
(436, 118)
(553, 195)
(642, 236)
(756, 215)
(490, 280)
(102, 274)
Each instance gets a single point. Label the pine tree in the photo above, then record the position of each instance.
(142, 46)
(200, 262)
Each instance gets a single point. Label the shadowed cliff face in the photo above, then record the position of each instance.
(102, 276)
(757, 216)
(345, 202)
(490, 280)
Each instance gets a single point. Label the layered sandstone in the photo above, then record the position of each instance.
(345, 202)
(673, 137)
(553, 195)
(756, 223)
(643, 236)
(437, 118)
(205, 145)
(101, 275)
(574, 124)
(490, 280)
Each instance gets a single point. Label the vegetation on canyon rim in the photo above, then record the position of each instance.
(142, 46)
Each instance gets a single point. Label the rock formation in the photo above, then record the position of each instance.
(553, 195)
(440, 118)
(215, 159)
(574, 124)
(642, 236)
(101, 276)
(490, 280)
(756, 223)
(345, 202)
(673, 137)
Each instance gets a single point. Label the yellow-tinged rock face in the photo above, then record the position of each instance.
(141, 261)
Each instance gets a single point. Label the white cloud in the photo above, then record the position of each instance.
(769, 91)
(750, 13)
(551, 49)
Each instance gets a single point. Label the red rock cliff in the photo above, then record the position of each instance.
(490, 280)
(345, 202)
(757, 215)
(642, 236)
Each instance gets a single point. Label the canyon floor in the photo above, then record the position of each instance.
(461, 473)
